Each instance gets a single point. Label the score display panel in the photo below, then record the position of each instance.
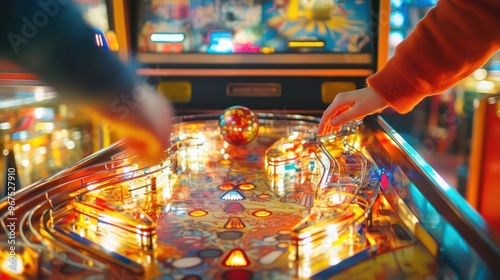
(261, 54)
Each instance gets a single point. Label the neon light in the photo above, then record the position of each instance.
(220, 42)
(397, 19)
(306, 44)
(167, 37)
(98, 40)
(246, 48)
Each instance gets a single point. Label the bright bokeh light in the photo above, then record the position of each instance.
(480, 74)
(395, 38)
(396, 3)
(397, 19)
(13, 264)
(168, 37)
(39, 93)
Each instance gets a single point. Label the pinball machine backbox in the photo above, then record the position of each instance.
(281, 56)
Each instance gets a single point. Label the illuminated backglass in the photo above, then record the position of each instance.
(311, 28)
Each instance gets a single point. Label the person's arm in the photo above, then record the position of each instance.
(51, 39)
(454, 39)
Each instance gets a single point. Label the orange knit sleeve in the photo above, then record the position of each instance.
(454, 39)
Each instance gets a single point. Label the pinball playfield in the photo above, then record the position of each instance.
(245, 196)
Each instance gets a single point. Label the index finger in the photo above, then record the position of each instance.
(335, 108)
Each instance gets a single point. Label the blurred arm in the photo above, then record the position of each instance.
(51, 39)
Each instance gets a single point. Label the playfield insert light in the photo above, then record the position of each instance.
(198, 213)
(236, 258)
(246, 187)
(232, 195)
(226, 187)
(262, 213)
(234, 223)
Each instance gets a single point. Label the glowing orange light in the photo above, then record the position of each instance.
(264, 196)
(236, 257)
(198, 213)
(225, 161)
(262, 213)
(234, 223)
(112, 41)
(212, 174)
(226, 187)
(283, 244)
(246, 187)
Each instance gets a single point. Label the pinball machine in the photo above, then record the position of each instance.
(250, 191)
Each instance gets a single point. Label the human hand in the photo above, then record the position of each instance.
(143, 120)
(349, 106)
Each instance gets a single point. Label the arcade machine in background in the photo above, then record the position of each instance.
(456, 124)
(403, 18)
(266, 55)
(437, 126)
(481, 102)
(39, 134)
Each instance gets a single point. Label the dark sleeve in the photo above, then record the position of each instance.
(51, 39)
